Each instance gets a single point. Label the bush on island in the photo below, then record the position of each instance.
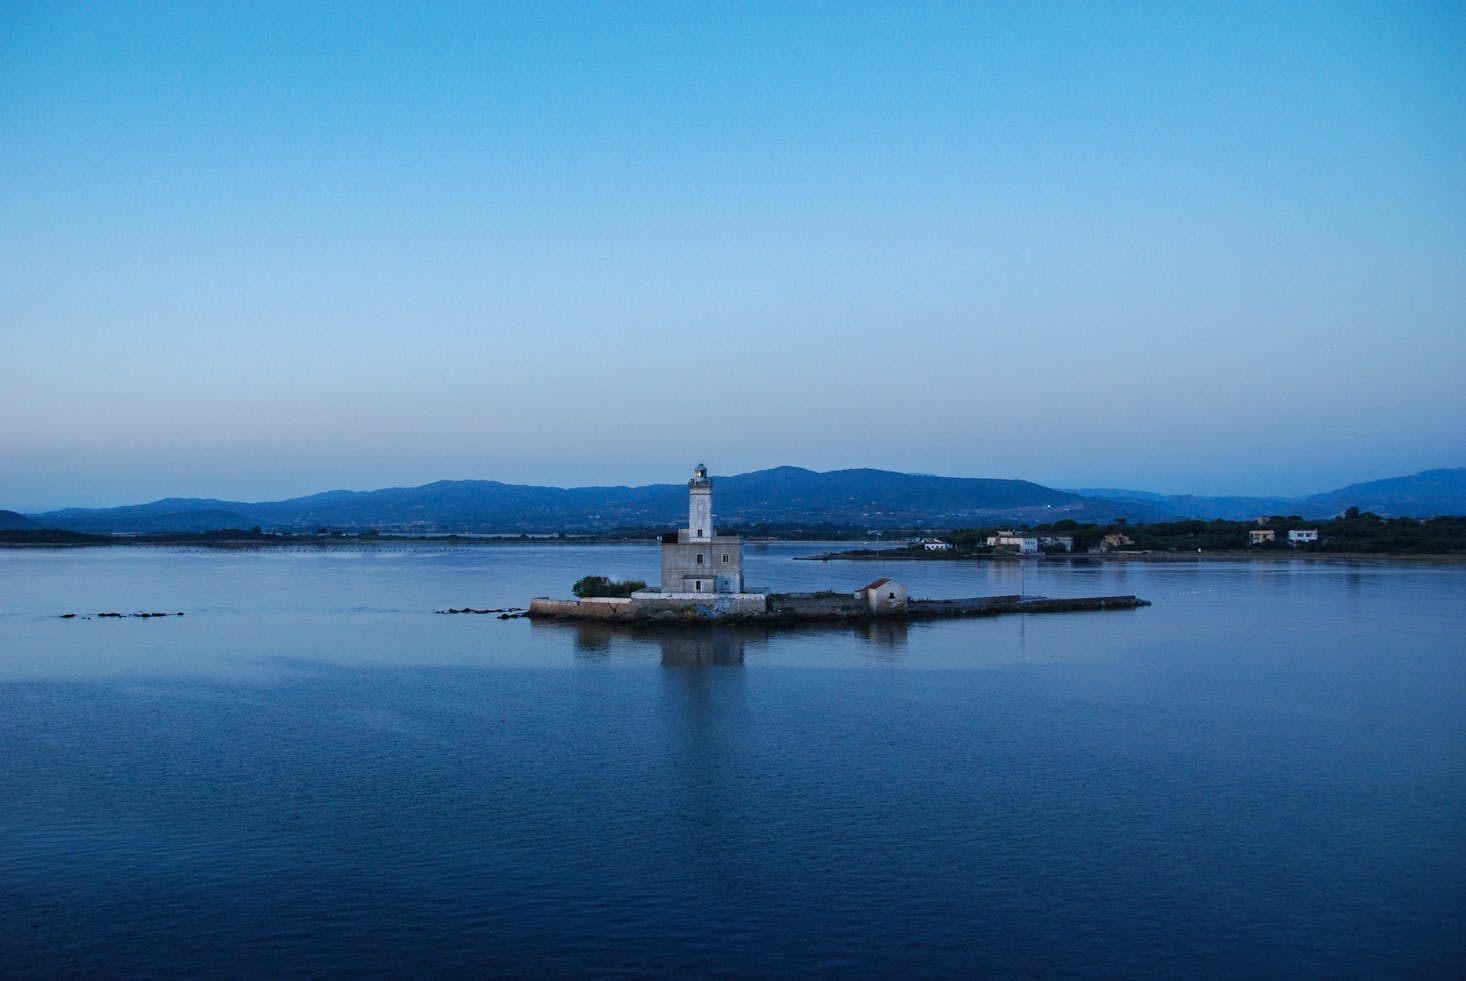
(601, 586)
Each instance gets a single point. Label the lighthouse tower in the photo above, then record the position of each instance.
(700, 506)
(695, 561)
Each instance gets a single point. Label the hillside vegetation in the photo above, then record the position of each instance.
(786, 501)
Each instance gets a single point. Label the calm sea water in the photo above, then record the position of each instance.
(312, 774)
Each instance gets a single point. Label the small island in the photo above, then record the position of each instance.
(702, 581)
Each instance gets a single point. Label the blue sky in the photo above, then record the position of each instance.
(260, 250)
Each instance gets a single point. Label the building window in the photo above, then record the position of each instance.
(699, 558)
(725, 556)
(890, 596)
(699, 533)
(697, 585)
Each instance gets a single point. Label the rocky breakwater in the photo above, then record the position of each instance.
(805, 607)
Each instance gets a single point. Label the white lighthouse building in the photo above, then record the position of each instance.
(700, 506)
(696, 560)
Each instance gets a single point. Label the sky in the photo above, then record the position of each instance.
(254, 251)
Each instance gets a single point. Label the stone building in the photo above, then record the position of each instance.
(694, 559)
(884, 596)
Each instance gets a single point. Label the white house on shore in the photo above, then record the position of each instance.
(1019, 542)
(1030, 544)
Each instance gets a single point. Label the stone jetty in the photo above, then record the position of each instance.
(807, 607)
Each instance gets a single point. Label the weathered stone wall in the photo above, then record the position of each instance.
(591, 608)
(721, 604)
(804, 605)
(651, 607)
(722, 564)
(647, 605)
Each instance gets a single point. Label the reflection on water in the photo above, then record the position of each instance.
(697, 645)
(679, 645)
(1353, 582)
(592, 640)
(886, 639)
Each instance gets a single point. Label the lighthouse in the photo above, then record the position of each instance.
(700, 506)
(695, 561)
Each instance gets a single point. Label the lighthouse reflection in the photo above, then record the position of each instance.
(706, 645)
(698, 647)
(679, 646)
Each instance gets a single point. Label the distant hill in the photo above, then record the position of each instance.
(1422, 495)
(1117, 494)
(884, 499)
(781, 498)
(1207, 508)
(1425, 494)
(170, 514)
(10, 521)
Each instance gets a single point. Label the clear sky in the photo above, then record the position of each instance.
(260, 250)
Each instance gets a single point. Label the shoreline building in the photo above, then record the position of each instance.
(694, 559)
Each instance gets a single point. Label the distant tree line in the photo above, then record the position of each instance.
(1353, 531)
(819, 531)
(57, 536)
(52, 536)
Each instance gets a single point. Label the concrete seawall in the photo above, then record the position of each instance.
(792, 608)
(662, 606)
(993, 605)
(593, 608)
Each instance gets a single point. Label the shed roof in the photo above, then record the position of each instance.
(875, 585)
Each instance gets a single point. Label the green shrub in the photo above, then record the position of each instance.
(601, 586)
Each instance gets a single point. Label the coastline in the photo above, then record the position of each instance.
(1145, 556)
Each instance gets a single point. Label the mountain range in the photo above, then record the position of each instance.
(10, 521)
(1422, 495)
(780, 498)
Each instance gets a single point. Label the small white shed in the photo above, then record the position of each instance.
(884, 596)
